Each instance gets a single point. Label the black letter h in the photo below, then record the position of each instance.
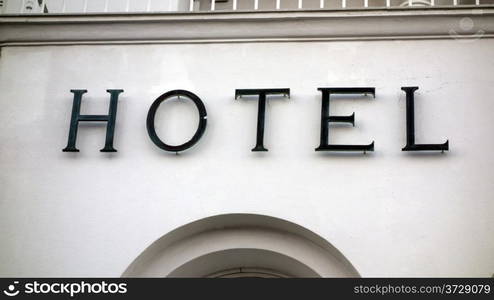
(77, 117)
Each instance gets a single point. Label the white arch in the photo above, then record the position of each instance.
(229, 241)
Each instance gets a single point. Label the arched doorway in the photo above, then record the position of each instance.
(241, 245)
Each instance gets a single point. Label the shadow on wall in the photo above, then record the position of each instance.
(236, 245)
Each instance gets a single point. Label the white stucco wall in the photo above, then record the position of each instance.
(389, 212)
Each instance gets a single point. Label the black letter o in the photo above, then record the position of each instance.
(200, 129)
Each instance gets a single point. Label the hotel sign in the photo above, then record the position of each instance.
(262, 96)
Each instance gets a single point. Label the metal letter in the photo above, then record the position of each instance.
(261, 110)
(411, 146)
(326, 119)
(200, 129)
(77, 117)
